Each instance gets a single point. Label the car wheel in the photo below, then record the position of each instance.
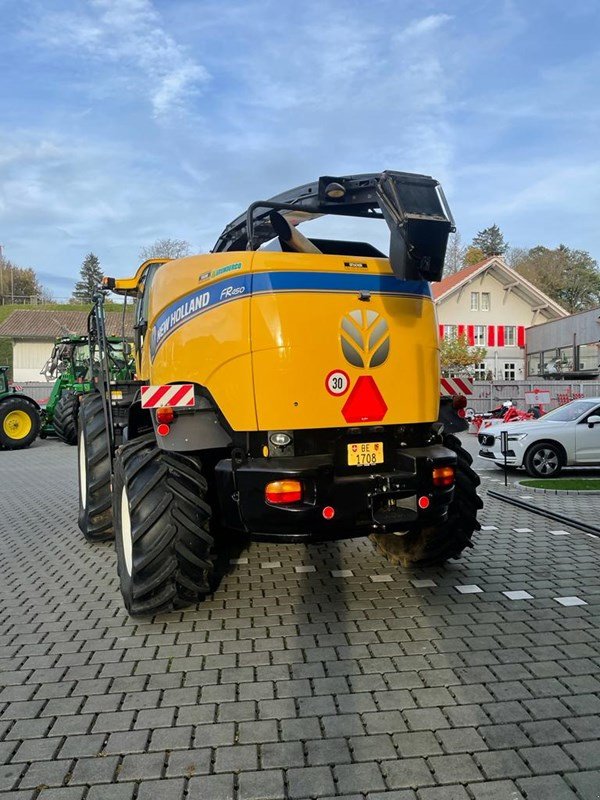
(543, 460)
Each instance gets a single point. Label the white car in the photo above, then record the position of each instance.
(569, 436)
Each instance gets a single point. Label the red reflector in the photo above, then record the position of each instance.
(423, 502)
(365, 403)
(328, 512)
(165, 414)
(443, 476)
(281, 492)
(163, 429)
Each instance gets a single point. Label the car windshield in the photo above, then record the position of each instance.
(571, 411)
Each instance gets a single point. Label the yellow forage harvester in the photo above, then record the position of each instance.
(287, 388)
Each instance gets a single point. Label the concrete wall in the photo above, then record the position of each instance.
(28, 359)
(487, 395)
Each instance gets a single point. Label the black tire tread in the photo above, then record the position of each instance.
(65, 415)
(95, 521)
(172, 546)
(435, 545)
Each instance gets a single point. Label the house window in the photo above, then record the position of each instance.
(474, 301)
(549, 362)
(485, 301)
(510, 371)
(450, 331)
(510, 335)
(479, 371)
(587, 356)
(534, 364)
(479, 335)
(565, 359)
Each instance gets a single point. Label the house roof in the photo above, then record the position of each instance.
(505, 275)
(49, 325)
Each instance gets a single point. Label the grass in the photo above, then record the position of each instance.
(5, 311)
(566, 484)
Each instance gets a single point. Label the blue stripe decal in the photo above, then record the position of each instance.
(336, 282)
(232, 288)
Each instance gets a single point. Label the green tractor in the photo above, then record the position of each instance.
(20, 416)
(69, 367)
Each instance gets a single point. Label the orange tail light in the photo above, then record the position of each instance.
(281, 492)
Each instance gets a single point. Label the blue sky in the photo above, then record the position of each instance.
(124, 121)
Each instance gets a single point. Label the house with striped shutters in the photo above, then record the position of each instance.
(492, 305)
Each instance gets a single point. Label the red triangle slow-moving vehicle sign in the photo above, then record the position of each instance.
(364, 403)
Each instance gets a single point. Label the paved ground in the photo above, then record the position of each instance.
(313, 672)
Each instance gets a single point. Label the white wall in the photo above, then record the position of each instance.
(28, 359)
(506, 308)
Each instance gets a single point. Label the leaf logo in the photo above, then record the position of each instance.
(365, 337)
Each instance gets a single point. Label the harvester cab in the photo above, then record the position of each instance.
(287, 387)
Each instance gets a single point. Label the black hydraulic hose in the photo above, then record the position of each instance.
(542, 512)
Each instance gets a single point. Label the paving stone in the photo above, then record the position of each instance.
(188, 763)
(499, 764)
(454, 769)
(586, 784)
(545, 787)
(215, 787)
(416, 744)
(407, 773)
(547, 759)
(45, 773)
(586, 754)
(263, 785)
(495, 790)
(310, 782)
(291, 754)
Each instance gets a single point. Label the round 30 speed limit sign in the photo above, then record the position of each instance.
(337, 382)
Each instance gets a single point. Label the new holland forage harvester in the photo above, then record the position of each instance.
(287, 388)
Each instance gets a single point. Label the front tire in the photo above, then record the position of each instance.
(544, 460)
(161, 518)
(95, 497)
(65, 417)
(435, 545)
(19, 423)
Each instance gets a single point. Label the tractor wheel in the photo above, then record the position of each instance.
(434, 545)
(19, 423)
(95, 498)
(65, 417)
(161, 518)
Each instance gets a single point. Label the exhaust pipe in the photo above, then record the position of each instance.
(290, 235)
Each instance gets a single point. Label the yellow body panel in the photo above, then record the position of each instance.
(263, 330)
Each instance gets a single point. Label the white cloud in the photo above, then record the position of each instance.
(423, 26)
(129, 34)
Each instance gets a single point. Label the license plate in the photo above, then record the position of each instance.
(365, 454)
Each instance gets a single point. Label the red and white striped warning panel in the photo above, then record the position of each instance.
(452, 386)
(174, 395)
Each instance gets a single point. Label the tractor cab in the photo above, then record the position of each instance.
(3, 380)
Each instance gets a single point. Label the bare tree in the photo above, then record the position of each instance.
(166, 248)
(455, 254)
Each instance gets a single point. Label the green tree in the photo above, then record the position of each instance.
(91, 278)
(473, 255)
(19, 284)
(570, 277)
(458, 358)
(166, 248)
(490, 241)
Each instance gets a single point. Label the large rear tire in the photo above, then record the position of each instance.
(65, 417)
(161, 517)
(19, 423)
(434, 545)
(95, 496)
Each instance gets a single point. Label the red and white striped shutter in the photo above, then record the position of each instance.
(470, 335)
(174, 395)
(453, 386)
(500, 335)
(441, 332)
(521, 336)
(491, 339)
(461, 330)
